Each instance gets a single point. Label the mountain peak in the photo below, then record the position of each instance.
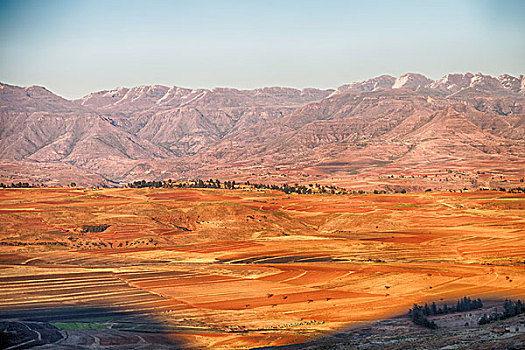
(515, 84)
(453, 82)
(381, 82)
(412, 81)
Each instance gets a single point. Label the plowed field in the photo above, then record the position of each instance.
(241, 269)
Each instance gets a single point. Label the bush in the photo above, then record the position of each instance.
(94, 228)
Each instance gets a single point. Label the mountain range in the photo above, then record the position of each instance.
(376, 133)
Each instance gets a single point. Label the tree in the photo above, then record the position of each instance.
(433, 309)
(483, 320)
(426, 310)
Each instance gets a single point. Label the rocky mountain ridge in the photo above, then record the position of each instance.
(447, 85)
(157, 132)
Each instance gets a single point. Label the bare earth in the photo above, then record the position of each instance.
(243, 269)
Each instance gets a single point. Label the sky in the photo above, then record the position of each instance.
(77, 47)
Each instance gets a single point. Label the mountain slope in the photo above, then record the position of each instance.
(370, 128)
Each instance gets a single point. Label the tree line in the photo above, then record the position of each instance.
(17, 185)
(418, 314)
(232, 185)
(510, 309)
(286, 188)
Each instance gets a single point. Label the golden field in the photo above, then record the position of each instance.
(240, 269)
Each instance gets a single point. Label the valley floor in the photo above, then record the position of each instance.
(204, 268)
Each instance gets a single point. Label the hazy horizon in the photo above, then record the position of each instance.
(74, 48)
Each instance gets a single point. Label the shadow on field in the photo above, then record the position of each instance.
(456, 331)
(85, 327)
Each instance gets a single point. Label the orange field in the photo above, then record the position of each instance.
(242, 269)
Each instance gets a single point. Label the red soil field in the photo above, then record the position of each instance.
(235, 269)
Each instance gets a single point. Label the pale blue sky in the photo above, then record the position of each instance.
(76, 47)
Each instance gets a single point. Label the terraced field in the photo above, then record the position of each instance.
(243, 269)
